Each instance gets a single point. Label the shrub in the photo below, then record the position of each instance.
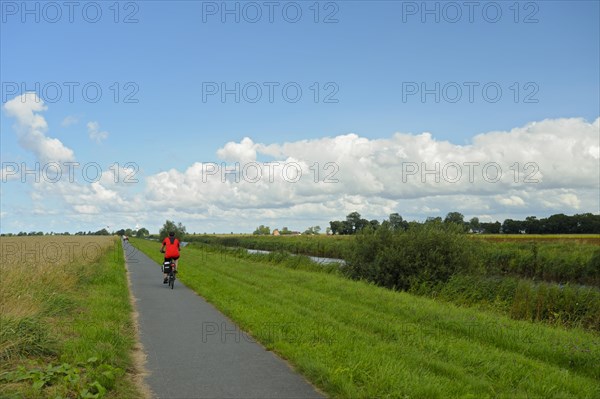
(401, 259)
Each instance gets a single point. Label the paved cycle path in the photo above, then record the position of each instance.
(194, 351)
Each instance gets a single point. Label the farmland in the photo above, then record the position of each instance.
(66, 327)
(477, 330)
(355, 339)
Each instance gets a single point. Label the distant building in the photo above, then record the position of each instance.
(276, 232)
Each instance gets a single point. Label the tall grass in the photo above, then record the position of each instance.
(562, 305)
(64, 301)
(548, 261)
(35, 284)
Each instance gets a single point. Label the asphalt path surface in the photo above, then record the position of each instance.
(194, 351)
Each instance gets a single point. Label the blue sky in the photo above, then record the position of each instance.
(172, 52)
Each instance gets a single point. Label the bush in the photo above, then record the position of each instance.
(400, 259)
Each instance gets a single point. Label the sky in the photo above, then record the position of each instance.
(229, 115)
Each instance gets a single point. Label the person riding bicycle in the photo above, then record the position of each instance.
(172, 251)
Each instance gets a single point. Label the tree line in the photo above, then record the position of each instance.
(140, 233)
(102, 232)
(585, 223)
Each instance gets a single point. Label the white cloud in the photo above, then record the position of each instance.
(513, 200)
(95, 133)
(570, 200)
(87, 209)
(545, 166)
(69, 120)
(31, 129)
(244, 151)
(413, 174)
(563, 199)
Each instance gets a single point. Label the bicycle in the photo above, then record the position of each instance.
(171, 276)
(169, 268)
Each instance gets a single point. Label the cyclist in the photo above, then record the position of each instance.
(172, 252)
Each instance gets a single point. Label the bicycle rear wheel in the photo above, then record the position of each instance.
(171, 280)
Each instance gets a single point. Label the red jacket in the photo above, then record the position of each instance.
(172, 247)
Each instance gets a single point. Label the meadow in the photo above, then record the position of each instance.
(561, 258)
(553, 279)
(66, 328)
(354, 339)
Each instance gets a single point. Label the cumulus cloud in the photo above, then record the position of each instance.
(244, 151)
(31, 129)
(540, 168)
(95, 133)
(547, 166)
(77, 198)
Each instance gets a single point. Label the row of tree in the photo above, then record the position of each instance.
(102, 232)
(141, 233)
(586, 223)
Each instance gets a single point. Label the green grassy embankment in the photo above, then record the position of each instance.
(354, 339)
